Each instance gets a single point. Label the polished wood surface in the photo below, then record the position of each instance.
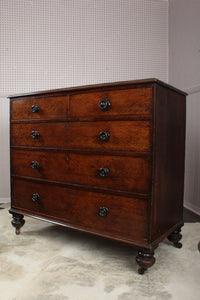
(169, 154)
(123, 102)
(127, 135)
(49, 108)
(84, 169)
(82, 208)
(106, 159)
(101, 86)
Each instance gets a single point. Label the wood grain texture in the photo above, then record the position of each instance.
(127, 135)
(127, 217)
(102, 86)
(123, 102)
(140, 199)
(125, 173)
(169, 151)
(49, 108)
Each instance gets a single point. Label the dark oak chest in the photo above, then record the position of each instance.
(105, 159)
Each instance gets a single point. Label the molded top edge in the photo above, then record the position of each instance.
(100, 85)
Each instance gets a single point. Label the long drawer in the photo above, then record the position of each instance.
(104, 213)
(112, 103)
(109, 135)
(127, 173)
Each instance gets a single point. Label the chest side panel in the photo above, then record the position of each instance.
(169, 151)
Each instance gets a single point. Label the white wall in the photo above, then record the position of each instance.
(57, 43)
(184, 43)
(4, 151)
(46, 44)
(192, 162)
(184, 73)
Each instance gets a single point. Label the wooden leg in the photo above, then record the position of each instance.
(145, 260)
(175, 237)
(18, 221)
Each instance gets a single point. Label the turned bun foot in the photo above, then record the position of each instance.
(178, 245)
(17, 231)
(145, 260)
(141, 270)
(175, 237)
(17, 222)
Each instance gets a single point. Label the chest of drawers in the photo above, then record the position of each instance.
(106, 159)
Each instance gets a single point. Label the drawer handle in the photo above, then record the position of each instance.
(35, 134)
(104, 104)
(35, 197)
(104, 172)
(104, 135)
(103, 211)
(35, 165)
(35, 108)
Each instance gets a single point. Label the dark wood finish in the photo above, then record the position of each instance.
(84, 169)
(127, 135)
(17, 221)
(98, 87)
(82, 208)
(106, 159)
(175, 237)
(49, 108)
(169, 152)
(123, 102)
(145, 260)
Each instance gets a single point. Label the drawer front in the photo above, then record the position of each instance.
(116, 135)
(130, 174)
(95, 211)
(41, 108)
(112, 103)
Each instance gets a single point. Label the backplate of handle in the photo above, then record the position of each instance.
(104, 135)
(104, 104)
(103, 211)
(35, 197)
(35, 134)
(104, 172)
(34, 165)
(35, 108)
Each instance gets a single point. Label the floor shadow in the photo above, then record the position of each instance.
(107, 246)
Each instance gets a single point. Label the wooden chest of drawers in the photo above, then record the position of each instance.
(105, 159)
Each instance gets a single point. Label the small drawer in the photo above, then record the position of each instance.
(102, 213)
(108, 135)
(132, 174)
(39, 109)
(136, 101)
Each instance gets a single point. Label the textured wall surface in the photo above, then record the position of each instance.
(47, 44)
(184, 43)
(192, 161)
(57, 43)
(4, 151)
(184, 73)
